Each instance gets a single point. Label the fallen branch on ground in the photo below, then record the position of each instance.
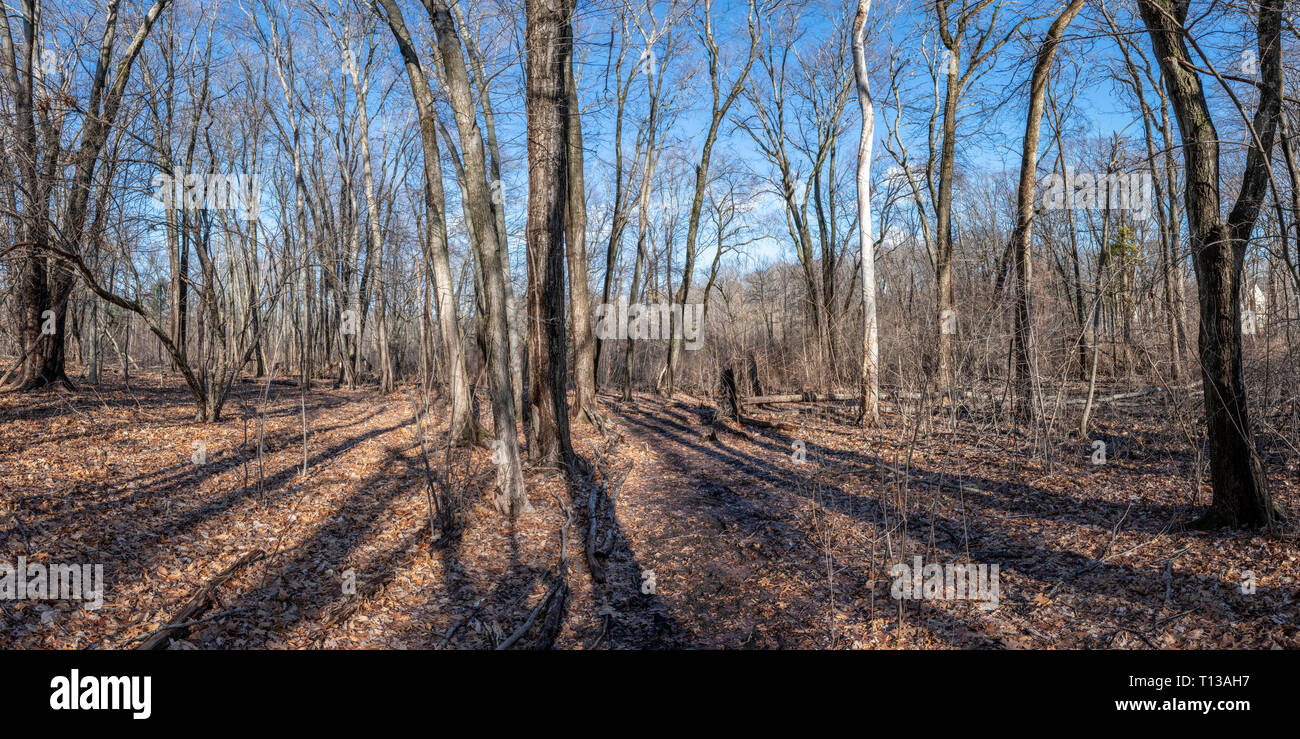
(202, 601)
(808, 397)
(187, 624)
(560, 588)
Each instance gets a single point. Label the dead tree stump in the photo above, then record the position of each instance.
(755, 386)
(728, 402)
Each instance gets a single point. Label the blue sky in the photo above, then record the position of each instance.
(988, 143)
(997, 135)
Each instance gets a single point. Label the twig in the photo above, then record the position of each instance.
(185, 624)
(528, 624)
(456, 626)
(1139, 634)
(198, 604)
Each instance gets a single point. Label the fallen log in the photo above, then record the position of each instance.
(187, 624)
(202, 601)
(799, 398)
(593, 500)
(760, 423)
(255, 381)
(1133, 394)
(809, 397)
(857, 397)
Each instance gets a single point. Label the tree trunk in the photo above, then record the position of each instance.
(1023, 234)
(1241, 496)
(512, 499)
(464, 424)
(546, 38)
(947, 317)
(584, 347)
(869, 378)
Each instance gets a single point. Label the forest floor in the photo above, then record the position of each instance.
(757, 538)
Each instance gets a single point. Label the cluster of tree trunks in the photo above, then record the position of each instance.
(332, 271)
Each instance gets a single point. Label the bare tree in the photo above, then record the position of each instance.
(870, 375)
(721, 105)
(46, 285)
(463, 422)
(1241, 496)
(1022, 237)
(512, 498)
(958, 68)
(548, 42)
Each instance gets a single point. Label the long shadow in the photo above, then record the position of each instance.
(123, 554)
(732, 515)
(356, 524)
(332, 543)
(331, 547)
(1019, 498)
(147, 486)
(505, 604)
(1023, 498)
(636, 620)
(1022, 553)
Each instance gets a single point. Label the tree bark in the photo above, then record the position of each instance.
(546, 38)
(462, 419)
(869, 377)
(584, 347)
(1241, 496)
(1023, 234)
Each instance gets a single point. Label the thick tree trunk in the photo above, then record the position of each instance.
(43, 306)
(1241, 496)
(547, 103)
(584, 346)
